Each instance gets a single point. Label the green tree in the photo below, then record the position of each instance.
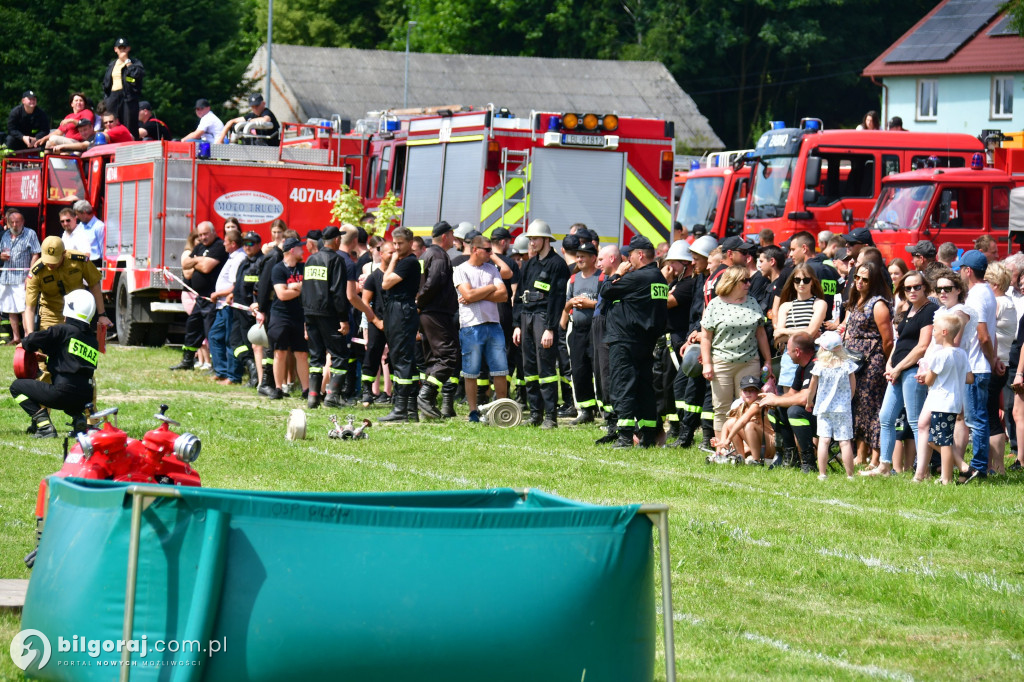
(330, 23)
(190, 49)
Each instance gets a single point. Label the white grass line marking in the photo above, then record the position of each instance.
(391, 466)
(868, 670)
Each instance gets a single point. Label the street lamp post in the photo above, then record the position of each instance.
(405, 96)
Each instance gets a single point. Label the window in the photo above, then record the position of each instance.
(1002, 97)
(927, 100)
(1001, 207)
(845, 175)
(890, 165)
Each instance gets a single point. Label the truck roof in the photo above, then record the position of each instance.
(984, 175)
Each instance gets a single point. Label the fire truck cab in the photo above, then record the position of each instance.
(491, 168)
(714, 196)
(810, 179)
(949, 205)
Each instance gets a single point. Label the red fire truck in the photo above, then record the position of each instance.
(152, 194)
(714, 196)
(949, 205)
(810, 179)
(493, 169)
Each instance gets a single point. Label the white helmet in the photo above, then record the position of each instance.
(703, 246)
(79, 305)
(521, 245)
(257, 335)
(679, 250)
(539, 228)
(462, 230)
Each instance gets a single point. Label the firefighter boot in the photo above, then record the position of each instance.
(448, 399)
(44, 427)
(649, 436)
(351, 390)
(521, 396)
(250, 367)
(267, 387)
(611, 429)
(367, 397)
(427, 400)
(586, 416)
(398, 403)
(316, 380)
(334, 391)
(673, 431)
(625, 437)
(188, 360)
(685, 438)
(412, 413)
(808, 462)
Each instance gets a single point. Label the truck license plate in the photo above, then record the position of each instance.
(583, 140)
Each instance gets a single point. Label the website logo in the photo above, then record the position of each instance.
(23, 655)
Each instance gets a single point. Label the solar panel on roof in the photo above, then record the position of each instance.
(945, 31)
(1002, 28)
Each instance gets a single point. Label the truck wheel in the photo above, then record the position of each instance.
(129, 332)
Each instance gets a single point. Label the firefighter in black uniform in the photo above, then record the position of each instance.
(325, 307)
(264, 299)
(535, 318)
(72, 353)
(679, 271)
(638, 296)
(401, 320)
(696, 398)
(122, 85)
(243, 320)
(608, 261)
(439, 321)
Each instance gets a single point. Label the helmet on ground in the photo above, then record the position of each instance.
(79, 305)
(679, 250)
(258, 335)
(521, 245)
(703, 246)
(690, 366)
(539, 228)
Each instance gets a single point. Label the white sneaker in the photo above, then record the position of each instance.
(204, 365)
(822, 477)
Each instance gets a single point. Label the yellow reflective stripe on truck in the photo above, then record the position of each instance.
(645, 212)
(494, 203)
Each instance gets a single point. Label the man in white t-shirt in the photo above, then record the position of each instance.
(983, 358)
(75, 237)
(209, 124)
(481, 289)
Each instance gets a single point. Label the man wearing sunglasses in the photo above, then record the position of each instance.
(75, 237)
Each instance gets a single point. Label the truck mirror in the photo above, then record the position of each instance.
(810, 196)
(739, 210)
(812, 176)
(944, 207)
(847, 214)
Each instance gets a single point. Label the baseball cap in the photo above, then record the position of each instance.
(314, 234)
(255, 98)
(122, 42)
(52, 250)
(586, 234)
(923, 248)
(331, 232)
(829, 340)
(28, 93)
(251, 236)
(973, 259)
(471, 235)
(861, 235)
(500, 233)
(290, 244)
(750, 382)
(587, 247)
(84, 122)
(440, 228)
(571, 243)
(202, 103)
(731, 244)
(638, 242)
(144, 105)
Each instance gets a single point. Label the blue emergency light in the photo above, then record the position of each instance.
(695, 165)
(778, 125)
(977, 161)
(554, 123)
(813, 124)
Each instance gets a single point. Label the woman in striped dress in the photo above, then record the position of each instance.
(802, 309)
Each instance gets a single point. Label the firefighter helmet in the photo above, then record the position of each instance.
(679, 250)
(258, 335)
(703, 246)
(521, 245)
(79, 305)
(539, 228)
(690, 366)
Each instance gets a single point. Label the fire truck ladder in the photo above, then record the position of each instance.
(515, 183)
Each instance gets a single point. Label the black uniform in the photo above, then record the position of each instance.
(795, 422)
(124, 103)
(156, 129)
(375, 338)
(579, 339)
(267, 137)
(512, 351)
(401, 320)
(439, 309)
(539, 309)
(197, 326)
(20, 123)
(243, 320)
(265, 298)
(325, 306)
(671, 383)
(602, 367)
(72, 353)
(285, 330)
(635, 320)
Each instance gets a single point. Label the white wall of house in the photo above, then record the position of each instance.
(963, 103)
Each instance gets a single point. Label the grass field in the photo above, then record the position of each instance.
(775, 574)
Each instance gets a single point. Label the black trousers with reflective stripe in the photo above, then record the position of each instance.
(401, 321)
(241, 323)
(33, 395)
(325, 337)
(441, 356)
(664, 378)
(539, 362)
(602, 368)
(564, 365)
(695, 396)
(581, 357)
(632, 375)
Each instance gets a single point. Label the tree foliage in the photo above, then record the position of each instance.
(190, 49)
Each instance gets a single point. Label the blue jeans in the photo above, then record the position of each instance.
(976, 418)
(225, 364)
(905, 393)
(481, 339)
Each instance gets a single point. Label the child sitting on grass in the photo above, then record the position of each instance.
(946, 373)
(830, 399)
(744, 430)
